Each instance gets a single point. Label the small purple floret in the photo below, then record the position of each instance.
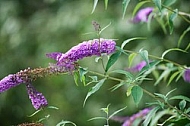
(142, 15)
(37, 99)
(186, 75)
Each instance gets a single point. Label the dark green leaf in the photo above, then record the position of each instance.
(94, 89)
(182, 104)
(171, 20)
(158, 4)
(137, 94)
(117, 85)
(113, 58)
(124, 6)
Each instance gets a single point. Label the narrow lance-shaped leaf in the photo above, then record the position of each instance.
(181, 97)
(113, 58)
(169, 50)
(150, 115)
(94, 89)
(94, 6)
(129, 40)
(124, 6)
(172, 77)
(171, 20)
(182, 36)
(106, 4)
(137, 94)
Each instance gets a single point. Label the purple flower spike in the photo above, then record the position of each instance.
(186, 75)
(142, 15)
(138, 67)
(37, 99)
(10, 81)
(82, 50)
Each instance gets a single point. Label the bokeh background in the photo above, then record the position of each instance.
(31, 28)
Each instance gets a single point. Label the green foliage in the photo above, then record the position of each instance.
(125, 3)
(94, 89)
(137, 93)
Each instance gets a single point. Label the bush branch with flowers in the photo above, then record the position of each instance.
(161, 111)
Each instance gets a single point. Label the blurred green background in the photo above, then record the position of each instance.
(31, 28)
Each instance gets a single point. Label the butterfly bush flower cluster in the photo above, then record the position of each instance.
(142, 15)
(65, 63)
(129, 120)
(82, 50)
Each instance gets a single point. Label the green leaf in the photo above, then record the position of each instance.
(113, 58)
(95, 118)
(129, 40)
(117, 112)
(182, 36)
(164, 74)
(168, 2)
(106, 4)
(158, 116)
(169, 50)
(144, 55)
(162, 24)
(94, 6)
(172, 77)
(117, 85)
(94, 89)
(180, 97)
(53, 107)
(124, 6)
(128, 93)
(76, 77)
(182, 104)
(150, 116)
(138, 6)
(171, 20)
(82, 72)
(137, 94)
(104, 28)
(126, 73)
(63, 123)
(131, 57)
(158, 4)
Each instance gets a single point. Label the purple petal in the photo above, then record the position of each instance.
(142, 15)
(186, 75)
